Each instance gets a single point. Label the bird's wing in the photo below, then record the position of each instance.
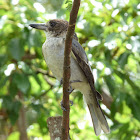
(82, 60)
(98, 118)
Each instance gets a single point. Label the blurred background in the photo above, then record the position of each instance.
(109, 31)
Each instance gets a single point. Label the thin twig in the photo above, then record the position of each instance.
(44, 72)
(66, 69)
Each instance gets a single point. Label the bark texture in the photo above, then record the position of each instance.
(66, 68)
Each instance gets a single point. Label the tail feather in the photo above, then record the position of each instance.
(95, 120)
(98, 119)
(102, 119)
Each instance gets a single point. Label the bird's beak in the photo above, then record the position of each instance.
(40, 26)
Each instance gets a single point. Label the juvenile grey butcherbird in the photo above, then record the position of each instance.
(53, 52)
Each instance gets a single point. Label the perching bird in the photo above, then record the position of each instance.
(53, 51)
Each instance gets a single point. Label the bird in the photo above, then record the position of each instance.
(81, 72)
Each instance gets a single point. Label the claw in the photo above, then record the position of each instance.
(70, 90)
(71, 103)
(62, 107)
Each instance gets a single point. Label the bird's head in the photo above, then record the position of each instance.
(55, 27)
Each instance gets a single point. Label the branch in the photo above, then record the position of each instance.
(44, 72)
(28, 56)
(66, 68)
(48, 81)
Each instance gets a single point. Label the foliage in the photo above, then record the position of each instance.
(69, 4)
(109, 31)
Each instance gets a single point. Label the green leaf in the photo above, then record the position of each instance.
(7, 103)
(110, 83)
(68, 1)
(35, 39)
(52, 5)
(37, 78)
(14, 136)
(17, 106)
(3, 59)
(135, 88)
(136, 109)
(22, 82)
(69, 4)
(136, 44)
(122, 129)
(12, 107)
(13, 116)
(108, 55)
(13, 89)
(14, 113)
(97, 30)
(120, 74)
(110, 37)
(123, 59)
(3, 80)
(26, 69)
(113, 110)
(135, 106)
(37, 107)
(124, 115)
(16, 48)
(41, 121)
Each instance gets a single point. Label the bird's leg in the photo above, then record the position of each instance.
(71, 102)
(70, 89)
(75, 81)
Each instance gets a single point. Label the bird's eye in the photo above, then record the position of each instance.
(52, 24)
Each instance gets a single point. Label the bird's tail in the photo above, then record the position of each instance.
(98, 118)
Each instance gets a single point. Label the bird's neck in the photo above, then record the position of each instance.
(53, 41)
(51, 35)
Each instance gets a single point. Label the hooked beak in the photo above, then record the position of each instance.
(40, 26)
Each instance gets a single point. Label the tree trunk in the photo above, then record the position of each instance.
(21, 123)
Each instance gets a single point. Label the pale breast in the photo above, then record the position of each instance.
(53, 51)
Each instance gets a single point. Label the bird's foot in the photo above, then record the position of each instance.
(71, 103)
(62, 107)
(75, 81)
(70, 89)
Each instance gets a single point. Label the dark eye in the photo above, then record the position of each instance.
(52, 24)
